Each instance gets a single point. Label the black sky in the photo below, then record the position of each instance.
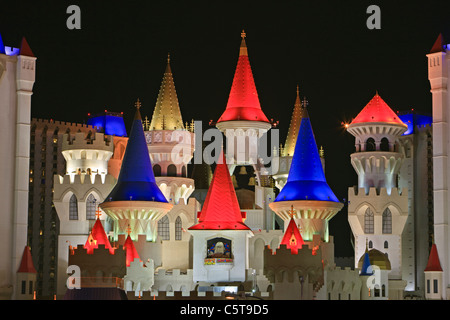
(120, 52)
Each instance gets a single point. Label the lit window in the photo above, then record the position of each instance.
(73, 208)
(163, 228)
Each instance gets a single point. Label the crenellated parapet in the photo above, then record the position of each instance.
(281, 265)
(100, 265)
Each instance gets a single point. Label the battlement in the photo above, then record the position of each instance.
(196, 295)
(78, 179)
(374, 192)
(82, 140)
(50, 123)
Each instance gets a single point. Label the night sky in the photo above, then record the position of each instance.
(120, 53)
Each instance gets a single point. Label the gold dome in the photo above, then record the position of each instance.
(377, 258)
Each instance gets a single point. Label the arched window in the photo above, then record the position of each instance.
(384, 146)
(163, 228)
(370, 144)
(387, 221)
(386, 245)
(368, 221)
(157, 170)
(90, 207)
(171, 171)
(370, 244)
(73, 208)
(178, 229)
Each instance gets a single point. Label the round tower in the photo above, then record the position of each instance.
(243, 122)
(170, 144)
(378, 158)
(377, 208)
(306, 190)
(136, 200)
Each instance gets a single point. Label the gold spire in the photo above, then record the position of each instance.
(167, 114)
(243, 49)
(294, 127)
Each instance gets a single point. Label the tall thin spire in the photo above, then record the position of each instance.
(167, 114)
(243, 102)
(294, 127)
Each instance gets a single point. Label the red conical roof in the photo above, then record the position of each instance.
(221, 208)
(25, 49)
(377, 111)
(97, 237)
(439, 44)
(433, 260)
(243, 101)
(131, 251)
(26, 265)
(292, 237)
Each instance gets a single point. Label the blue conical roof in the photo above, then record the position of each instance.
(136, 180)
(306, 180)
(365, 271)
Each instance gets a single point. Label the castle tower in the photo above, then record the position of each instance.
(17, 77)
(220, 237)
(171, 147)
(434, 288)
(136, 200)
(306, 189)
(243, 122)
(377, 209)
(438, 74)
(26, 277)
(77, 194)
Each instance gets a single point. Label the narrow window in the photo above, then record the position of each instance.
(73, 208)
(368, 221)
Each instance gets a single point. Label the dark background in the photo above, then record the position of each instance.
(120, 53)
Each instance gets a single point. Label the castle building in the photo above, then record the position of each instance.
(17, 77)
(378, 209)
(438, 74)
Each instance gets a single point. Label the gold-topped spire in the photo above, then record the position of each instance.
(243, 49)
(138, 104)
(291, 212)
(167, 114)
(294, 127)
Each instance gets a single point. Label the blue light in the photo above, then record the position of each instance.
(412, 120)
(2, 46)
(111, 124)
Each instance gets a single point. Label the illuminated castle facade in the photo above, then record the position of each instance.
(137, 225)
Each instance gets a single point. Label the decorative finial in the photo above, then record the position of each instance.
(321, 152)
(138, 104)
(298, 91)
(291, 212)
(98, 213)
(128, 230)
(168, 57)
(304, 102)
(243, 34)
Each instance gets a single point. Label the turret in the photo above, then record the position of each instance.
(306, 189)
(243, 122)
(136, 200)
(87, 155)
(377, 208)
(170, 144)
(377, 159)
